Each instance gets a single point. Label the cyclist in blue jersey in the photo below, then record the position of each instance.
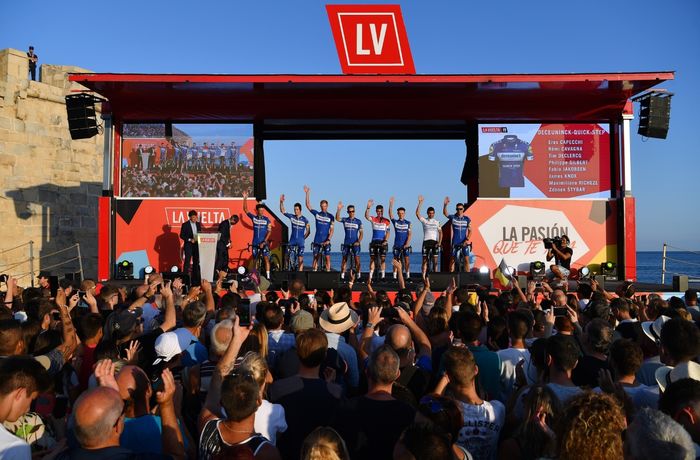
(262, 230)
(300, 230)
(353, 238)
(402, 237)
(380, 237)
(461, 234)
(324, 231)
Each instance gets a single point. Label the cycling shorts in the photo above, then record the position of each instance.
(400, 250)
(466, 250)
(350, 248)
(299, 248)
(321, 249)
(378, 247)
(265, 251)
(430, 246)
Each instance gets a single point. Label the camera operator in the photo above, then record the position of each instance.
(561, 253)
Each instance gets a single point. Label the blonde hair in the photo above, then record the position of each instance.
(256, 365)
(324, 443)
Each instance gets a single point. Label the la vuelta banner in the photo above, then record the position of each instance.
(544, 160)
(148, 231)
(514, 230)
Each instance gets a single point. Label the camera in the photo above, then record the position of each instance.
(551, 242)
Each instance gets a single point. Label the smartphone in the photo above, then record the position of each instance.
(285, 285)
(243, 312)
(81, 294)
(473, 297)
(560, 311)
(53, 285)
(312, 298)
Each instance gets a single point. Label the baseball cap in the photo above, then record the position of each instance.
(301, 321)
(124, 321)
(167, 347)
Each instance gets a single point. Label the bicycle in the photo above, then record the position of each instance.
(259, 259)
(291, 257)
(461, 257)
(348, 253)
(431, 255)
(376, 251)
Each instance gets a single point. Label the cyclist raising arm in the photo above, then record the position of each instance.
(300, 231)
(380, 237)
(324, 231)
(262, 230)
(461, 234)
(353, 237)
(432, 235)
(402, 237)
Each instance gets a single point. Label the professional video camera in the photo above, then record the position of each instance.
(550, 242)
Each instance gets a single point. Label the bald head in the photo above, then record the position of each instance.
(96, 418)
(398, 337)
(221, 336)
(134, 385)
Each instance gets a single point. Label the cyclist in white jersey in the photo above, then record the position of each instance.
(432, 234)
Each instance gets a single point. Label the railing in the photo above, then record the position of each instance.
(665, 257)
(30, 261)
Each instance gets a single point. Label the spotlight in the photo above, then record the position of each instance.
(484, 269)
(125, 270)
(242, 270)
(174, 269)
(584, 273)
(148, 270)
(537, 270)
(609, 270)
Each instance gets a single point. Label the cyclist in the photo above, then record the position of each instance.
(300, 231)
(402, 237)
(380, 237)
(353, 238)
(432, 235)
(324, 231)
(461, 234)
(261, 231)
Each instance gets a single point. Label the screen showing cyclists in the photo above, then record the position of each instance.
(324, 232)
(461, 234)
(299, 232)
(402, 238)
(351, 244)
(380, 237)
(432, 237)
(261, 232)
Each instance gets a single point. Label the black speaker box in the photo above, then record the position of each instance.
(322, 280)
(440, 281)
(82, 118)
(472, 278)
(654, 116)
(278, 277)
(680, 283)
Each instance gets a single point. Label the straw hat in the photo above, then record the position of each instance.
(666, 375)
(338, 318)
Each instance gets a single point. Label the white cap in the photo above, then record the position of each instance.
(167, 347)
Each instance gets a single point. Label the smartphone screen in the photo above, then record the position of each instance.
(53, 285)
(560, 311)
(285, 285)
(243, 312)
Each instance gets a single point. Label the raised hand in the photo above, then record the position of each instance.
(391, 200)
(420, 198)
(447, 200)
(167, 395)
(397, 264)
(306, 189)
(245, 194)
(282, 198)
(369, 203)
(374, 316)
(340, 205)
(133, 351)
(104, 373)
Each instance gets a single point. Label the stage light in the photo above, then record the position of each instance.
(148, 270)
(484, 269)
(537, 269)
(241, 270)
(584, 273)
(609, 270)
(125, 270)
(174, 269)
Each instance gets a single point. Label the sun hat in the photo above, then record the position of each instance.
(666, 375)
(338, 318)
(653, 328)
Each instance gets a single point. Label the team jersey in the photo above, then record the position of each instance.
(324, 220)
(401, 229)
(431, 229)
(261, 224)
(460, 227)
(222, 151)
(511, 153)
(352, 226)
(298, 228)
(380, 227)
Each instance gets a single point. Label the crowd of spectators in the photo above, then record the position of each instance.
(162, 369)
(170, 182)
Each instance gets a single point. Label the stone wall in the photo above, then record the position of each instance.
(49, 184)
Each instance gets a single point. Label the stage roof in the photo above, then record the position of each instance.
(304, 103)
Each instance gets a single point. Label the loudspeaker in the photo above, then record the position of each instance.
(600, 279)
(440, 281)
(82, 119)
(322, 280)
(654, 116)
(472, 278)
(680, 283)
(278, 277)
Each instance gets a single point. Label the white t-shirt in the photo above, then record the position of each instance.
(269, 420)
(12, 447)
(431, 228)
(482, 427)
(510, 357)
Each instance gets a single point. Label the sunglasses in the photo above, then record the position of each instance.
(460, 209)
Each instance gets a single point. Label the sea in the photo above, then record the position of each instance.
(648, 264)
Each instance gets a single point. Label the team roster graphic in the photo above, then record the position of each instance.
(195, 160)
(544, 161)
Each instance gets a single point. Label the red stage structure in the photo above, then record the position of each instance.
(561, 109)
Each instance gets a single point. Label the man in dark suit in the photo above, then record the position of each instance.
(188, 234)
(224, 242)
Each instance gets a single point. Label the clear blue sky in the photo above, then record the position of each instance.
(446, 37)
